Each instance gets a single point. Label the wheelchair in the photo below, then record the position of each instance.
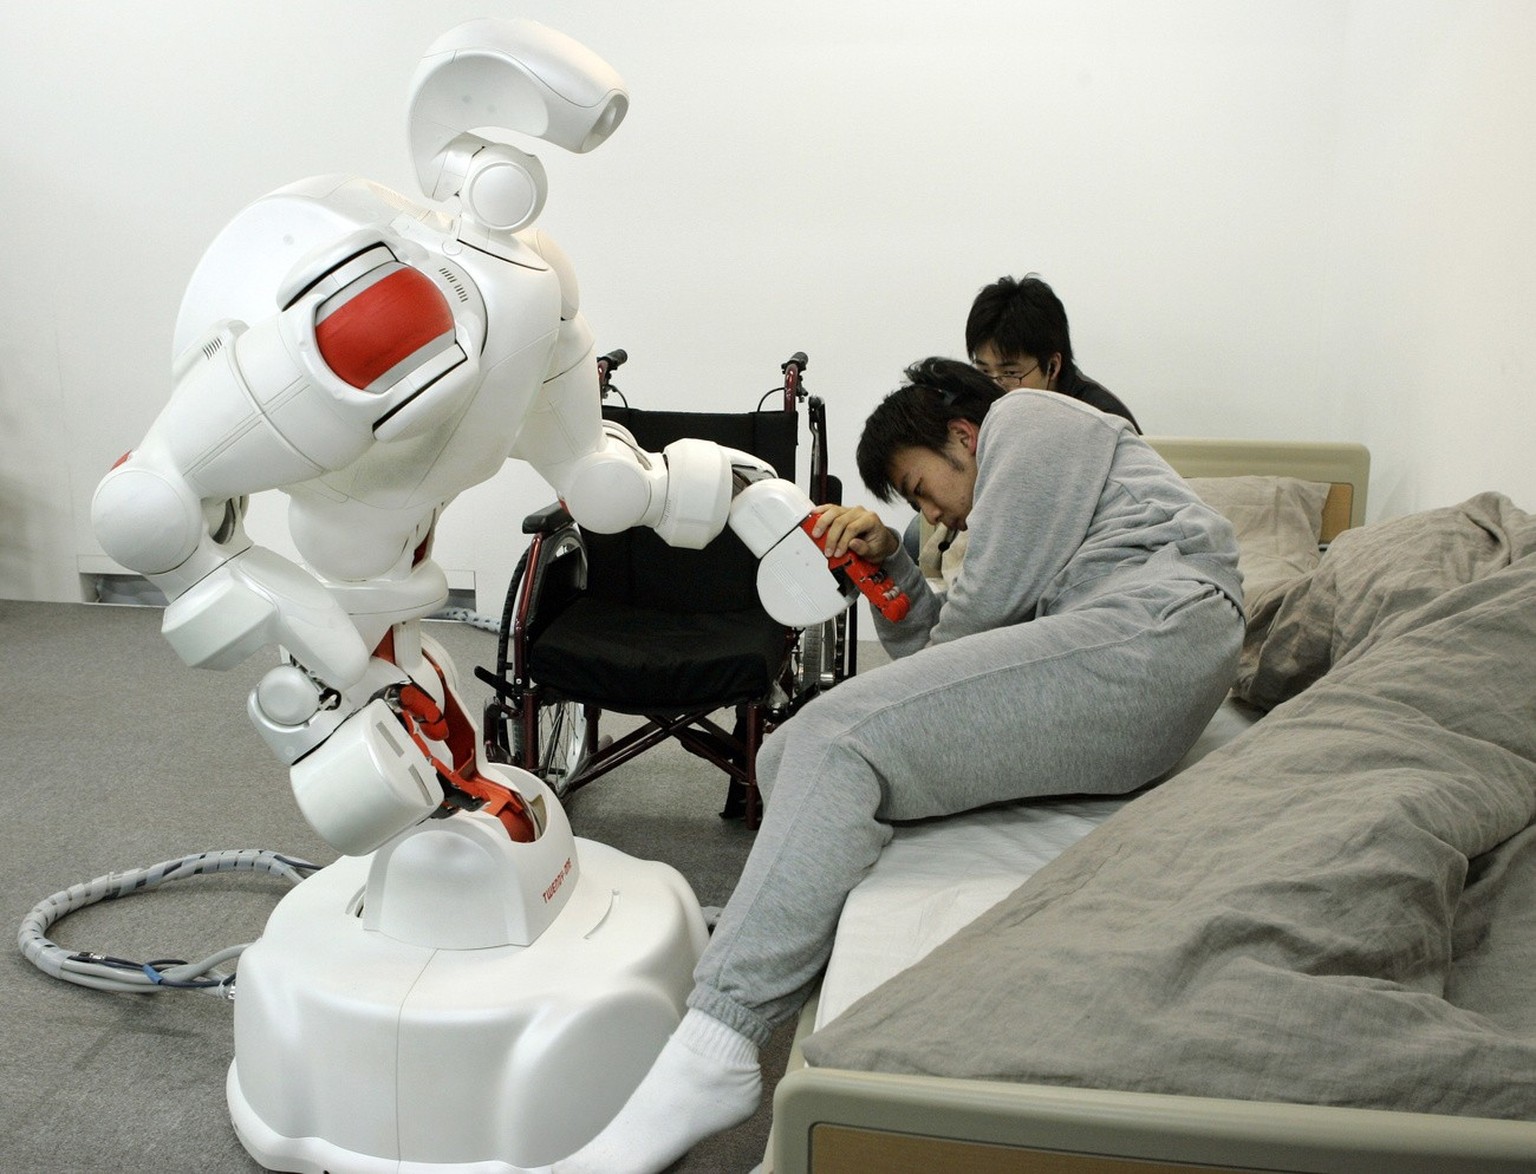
(623, 623)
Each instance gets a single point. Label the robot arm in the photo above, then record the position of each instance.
(543, 84)
(683, 493)
(688, 493)
(227, 598)
(364, 348)
(251, 412)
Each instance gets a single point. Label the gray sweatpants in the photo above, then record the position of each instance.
(1099, 700)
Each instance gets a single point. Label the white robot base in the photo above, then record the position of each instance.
(359, 1053)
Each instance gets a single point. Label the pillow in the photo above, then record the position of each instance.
(941, 567)
(1279, 521)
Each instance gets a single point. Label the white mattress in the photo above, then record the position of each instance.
(937, 876)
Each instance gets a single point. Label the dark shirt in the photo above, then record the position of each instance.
(1074, 383)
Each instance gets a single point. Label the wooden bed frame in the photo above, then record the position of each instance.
(1347, 467)
(837, 1121)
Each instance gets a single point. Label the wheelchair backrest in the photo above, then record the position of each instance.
(637, 567)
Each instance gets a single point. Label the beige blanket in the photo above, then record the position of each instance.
(1337, 908)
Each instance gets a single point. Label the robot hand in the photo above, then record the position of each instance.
(400, 759)
(798, 584)
(872, 580)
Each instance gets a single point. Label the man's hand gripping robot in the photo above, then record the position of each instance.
(373, 358)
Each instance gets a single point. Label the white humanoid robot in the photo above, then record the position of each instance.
(467, 988)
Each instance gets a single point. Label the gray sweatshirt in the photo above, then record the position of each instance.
(1071, 509)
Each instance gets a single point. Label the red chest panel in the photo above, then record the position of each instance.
(365, 335)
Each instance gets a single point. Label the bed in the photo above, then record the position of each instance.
(1311, 948)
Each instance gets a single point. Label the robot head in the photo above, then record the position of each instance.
(511, 75)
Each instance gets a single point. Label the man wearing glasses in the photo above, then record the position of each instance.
(1016, 335)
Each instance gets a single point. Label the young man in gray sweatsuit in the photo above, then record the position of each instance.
(1093, 630)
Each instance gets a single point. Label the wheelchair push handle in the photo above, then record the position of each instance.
(606, 366)
(792, 368)
(872, 581)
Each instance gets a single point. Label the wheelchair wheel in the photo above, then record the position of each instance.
(817, 662)
(564, 745)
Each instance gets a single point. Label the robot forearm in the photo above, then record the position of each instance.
(684, 493)
(796, 580)
(610, 484)
(691, 490)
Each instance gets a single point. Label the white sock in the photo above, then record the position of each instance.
(706, 1079)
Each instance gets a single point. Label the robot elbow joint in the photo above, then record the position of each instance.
(608, 493)
(146, 520)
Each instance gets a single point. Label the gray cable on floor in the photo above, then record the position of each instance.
(106, 973)
(474, 619)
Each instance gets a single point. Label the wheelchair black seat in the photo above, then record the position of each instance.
(640, 660)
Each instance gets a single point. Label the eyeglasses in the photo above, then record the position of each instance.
(1008, 376)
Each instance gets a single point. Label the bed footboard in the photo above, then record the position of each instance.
(834, 1121)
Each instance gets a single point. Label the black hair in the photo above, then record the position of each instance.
(917, 415)
(1019, 316)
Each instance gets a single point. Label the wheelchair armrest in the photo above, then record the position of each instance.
(555, 552)
(547, 520)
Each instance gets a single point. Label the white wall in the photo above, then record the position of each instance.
(1431, 273)
(1308, 220)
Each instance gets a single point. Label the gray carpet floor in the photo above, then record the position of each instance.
(116, 756)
